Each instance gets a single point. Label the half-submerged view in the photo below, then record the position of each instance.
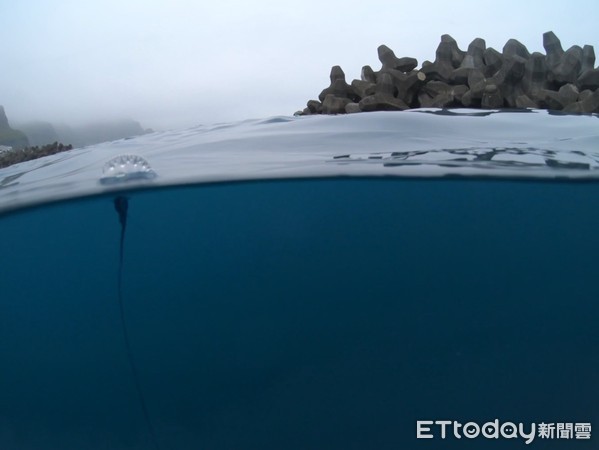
(394, 279)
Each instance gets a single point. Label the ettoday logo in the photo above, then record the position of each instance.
(429, 429)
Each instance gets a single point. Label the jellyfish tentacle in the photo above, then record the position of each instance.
(121, 205)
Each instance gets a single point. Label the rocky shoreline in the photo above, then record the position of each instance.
(481, 77)
(8, 158)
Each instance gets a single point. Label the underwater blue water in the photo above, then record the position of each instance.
(301, 312)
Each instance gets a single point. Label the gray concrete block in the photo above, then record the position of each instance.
(315, 107)
(493, 61)
(512, 71)
(368, 74)
(588, 80)
(492, 97)
(406, 85)
(523, 101)
(458, 92)
(433, 88)
(590, 104)
(443, 93)
(569, 93)
(514, 47)
(474, 58)
(383, 99)
(438, 71)
(479, 77)
(424, 100)
(447, 58)
(469, 101)
(553, 49)
(588, 58)
(363, 88)
(477, 83)
(584, 95)
(334, 105)
(511, 92)
(450, 46)
(352, 108)
(460, 75)
(575, 108)
(568, 68)
(443, 100)
(535, 74)
(338, 86)
(550, 99)
(390, 61)
(384, 85)
(379, 102)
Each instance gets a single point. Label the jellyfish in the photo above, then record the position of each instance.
(125, 168)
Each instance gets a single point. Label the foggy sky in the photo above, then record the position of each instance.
(183, 62)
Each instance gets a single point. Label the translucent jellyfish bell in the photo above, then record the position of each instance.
(125, 168)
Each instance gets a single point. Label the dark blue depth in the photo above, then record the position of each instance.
(323, 314)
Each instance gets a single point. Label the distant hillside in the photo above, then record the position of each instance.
(38, 139)
(41, 133)
(9, 136)
(18, 145)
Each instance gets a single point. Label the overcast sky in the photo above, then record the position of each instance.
(177, 63)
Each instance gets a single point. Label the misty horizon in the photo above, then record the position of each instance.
(184, 64)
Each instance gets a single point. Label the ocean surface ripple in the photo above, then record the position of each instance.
(417, 143)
